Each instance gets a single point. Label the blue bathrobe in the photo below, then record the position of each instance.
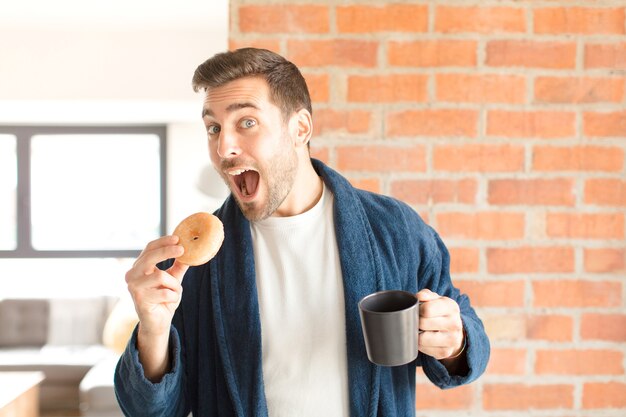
(215, 339)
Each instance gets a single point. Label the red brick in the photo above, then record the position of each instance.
(553, 328)
(577, 293)
(579, 362)
(605, 55)
(495, 225)
(430, 397)
(444, 122)
(585, 226)
(578, 90)
(606, 124)
(506, 327)
(605, 260)
(548, 192)
(435, 191)
(590, 21)
(449, 19)
(336, 52)
(605, 192)
(463, 260)
(607, 327)
(432, 53)
(531, 54)
(503, 396)
(604, 395)
(503, 361)
(381, 158)
(487, 88)
(369, 184)
(494, 293)
(387, 18)
(387, 88)
(270, 44)
(318, 87)
(284, 18)
(531, 124)
(478, 158)
(530, 259)
(348, 121)
(578, 158)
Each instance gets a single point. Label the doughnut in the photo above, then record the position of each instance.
(201, 234)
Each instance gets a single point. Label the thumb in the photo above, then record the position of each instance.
(178, 270)
(427, 295)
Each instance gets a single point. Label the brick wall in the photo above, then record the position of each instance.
(503, 123)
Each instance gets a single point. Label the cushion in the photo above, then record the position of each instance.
(96, 388)
(24, 322)
(120, 325)
(77, 321)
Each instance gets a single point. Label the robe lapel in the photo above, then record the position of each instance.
(236, 307)
(362, 275)
(236, 310)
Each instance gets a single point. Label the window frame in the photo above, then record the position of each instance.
(23, 135)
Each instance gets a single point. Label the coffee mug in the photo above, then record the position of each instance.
(389, 322)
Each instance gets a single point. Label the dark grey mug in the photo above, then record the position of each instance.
(389, 322)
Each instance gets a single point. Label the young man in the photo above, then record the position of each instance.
(270, 326)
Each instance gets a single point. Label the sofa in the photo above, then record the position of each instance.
(75, 342)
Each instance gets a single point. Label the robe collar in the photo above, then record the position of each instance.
(236, 307)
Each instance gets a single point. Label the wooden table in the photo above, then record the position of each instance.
(19, 394)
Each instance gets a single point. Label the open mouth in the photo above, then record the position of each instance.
(246, 181)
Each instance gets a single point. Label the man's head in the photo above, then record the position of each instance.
(258, 128)
(288, 89)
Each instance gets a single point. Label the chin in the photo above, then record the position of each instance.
(252, 213)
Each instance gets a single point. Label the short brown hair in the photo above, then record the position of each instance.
(288, 89)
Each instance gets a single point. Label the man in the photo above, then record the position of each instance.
(270, 326)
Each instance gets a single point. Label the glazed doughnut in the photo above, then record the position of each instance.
(201, 234)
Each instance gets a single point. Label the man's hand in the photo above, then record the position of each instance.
(440, 322)
(156, 295)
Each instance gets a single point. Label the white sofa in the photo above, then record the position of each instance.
(63, 338)
(97, 396)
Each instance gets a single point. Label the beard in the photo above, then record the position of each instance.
(277, 174)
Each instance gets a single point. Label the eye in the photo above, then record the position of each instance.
(247, 123)
(213, 129)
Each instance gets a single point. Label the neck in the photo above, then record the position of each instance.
(305, 193)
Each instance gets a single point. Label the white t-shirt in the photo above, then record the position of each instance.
(300, 290)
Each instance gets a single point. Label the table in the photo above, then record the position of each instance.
(19, 394)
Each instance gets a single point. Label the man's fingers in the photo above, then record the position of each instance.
(438, 339)
(147, 261)
(160, 296)
(440, 344)
(442, 306)
(158, 279)
(162, 241)
(427, 295)
(178, 270)
(445, 323)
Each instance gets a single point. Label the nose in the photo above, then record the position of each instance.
(228, 145)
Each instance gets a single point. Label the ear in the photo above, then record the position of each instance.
(303, 127)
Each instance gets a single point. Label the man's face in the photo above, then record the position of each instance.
(250, 145)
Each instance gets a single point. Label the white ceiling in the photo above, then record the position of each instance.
(206, 15)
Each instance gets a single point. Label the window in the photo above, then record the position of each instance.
(8, 192)
(81, 191)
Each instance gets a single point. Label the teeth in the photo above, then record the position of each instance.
(238, 171)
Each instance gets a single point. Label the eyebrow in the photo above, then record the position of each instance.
(231, 108)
